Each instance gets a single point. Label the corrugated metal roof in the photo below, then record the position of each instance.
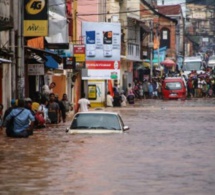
(169, 9)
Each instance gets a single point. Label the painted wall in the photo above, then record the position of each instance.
(60, 88)
(87, 8)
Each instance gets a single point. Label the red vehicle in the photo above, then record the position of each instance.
(174, 88)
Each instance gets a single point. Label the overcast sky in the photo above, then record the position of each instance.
(170, 2)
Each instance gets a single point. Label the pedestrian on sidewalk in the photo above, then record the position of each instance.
(109, 100)
(123, 99)
(116, 99)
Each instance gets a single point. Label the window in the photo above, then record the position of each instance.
(94, 121)
(165, 35)
(173, 85)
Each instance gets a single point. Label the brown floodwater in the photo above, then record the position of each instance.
(169, 149)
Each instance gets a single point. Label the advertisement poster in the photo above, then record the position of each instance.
(103, 44)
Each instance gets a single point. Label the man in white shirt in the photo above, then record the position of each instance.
(109, 100)
(83, 104)
(47, 89)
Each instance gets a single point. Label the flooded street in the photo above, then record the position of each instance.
(168, 150)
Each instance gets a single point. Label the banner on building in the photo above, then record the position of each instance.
(35, 18)
(58, 37)
(103, 45)
(161, 52)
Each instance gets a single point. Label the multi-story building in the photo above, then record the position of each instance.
(7, 51)
(200, 29)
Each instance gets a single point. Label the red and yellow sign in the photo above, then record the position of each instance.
(79, 53)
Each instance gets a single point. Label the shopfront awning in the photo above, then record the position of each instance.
(5, 61)
(44, 54)
(51, 63)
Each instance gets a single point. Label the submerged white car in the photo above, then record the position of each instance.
(97, 122)
(211, 62)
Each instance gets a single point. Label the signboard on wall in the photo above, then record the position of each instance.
(69, 63)
(35, 18)
(79, 52)
(103, 45)
(35, 69)
(92, 92)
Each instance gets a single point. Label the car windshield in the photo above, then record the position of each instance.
(212, 58)
(188, 66)
(96, 121)
(173, 85)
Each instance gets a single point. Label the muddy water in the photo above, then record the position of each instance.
(169, 149)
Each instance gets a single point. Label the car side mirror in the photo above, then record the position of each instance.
(125, 128)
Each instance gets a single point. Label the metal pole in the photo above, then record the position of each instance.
(158, 40)
(21, 65)
(151, 50)
(74, 15)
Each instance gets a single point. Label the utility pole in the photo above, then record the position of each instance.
(151, 49)
(21, 65)
(74, 21)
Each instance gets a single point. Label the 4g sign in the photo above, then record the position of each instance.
(35, 6)
(35, 18)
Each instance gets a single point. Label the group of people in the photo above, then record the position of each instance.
(146, 89)
(198, 85)
(120, 98)
(201, 85)
(26, 115)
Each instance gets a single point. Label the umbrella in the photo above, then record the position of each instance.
(146, 64)
(168, 63)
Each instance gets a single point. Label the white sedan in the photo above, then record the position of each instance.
(211, 62)
(97, 122)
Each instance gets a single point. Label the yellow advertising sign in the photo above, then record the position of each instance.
(35, 18)
(80, 57)
(92, 93)
(35, 28)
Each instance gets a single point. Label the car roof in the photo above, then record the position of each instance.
(192, 58)
(211, 59)
(173, 78)
(98, 112)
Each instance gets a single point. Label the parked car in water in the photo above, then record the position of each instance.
(174, 88)
(211, 62)
(97, 122)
